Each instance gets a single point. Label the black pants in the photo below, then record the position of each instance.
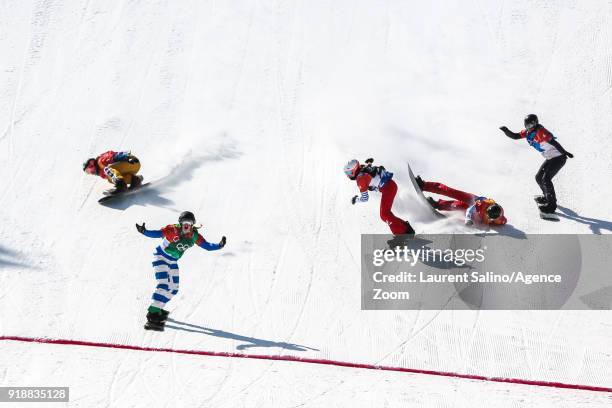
(544, 176)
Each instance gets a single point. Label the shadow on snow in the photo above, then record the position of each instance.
(596, 225)
(250, 342)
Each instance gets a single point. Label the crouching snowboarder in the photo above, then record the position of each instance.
(556, 156)
(118, 168)
(477, 209)
(177, 239)
(377, 178)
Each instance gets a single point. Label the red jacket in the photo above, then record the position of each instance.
(104, 160)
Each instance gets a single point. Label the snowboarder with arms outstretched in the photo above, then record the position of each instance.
(554, 154)
(177, 239)
(377, 178)
(118, 168)
(477, 209)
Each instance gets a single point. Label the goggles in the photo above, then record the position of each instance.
(530, 125)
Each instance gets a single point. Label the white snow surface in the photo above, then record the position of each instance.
(244, 113)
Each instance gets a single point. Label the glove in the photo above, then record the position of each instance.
(141, 228)
(222, 242)
(504, 129)
(354, 199)
(568, 154)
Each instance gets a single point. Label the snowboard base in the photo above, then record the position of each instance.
(420, 194)
(549, 216)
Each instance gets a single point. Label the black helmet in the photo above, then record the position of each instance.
(186, 216)
(494, 211)
(531, 121)
(86, 164)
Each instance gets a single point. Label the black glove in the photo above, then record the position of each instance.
(141, 228)
(222, 242)
(354, 199)
(568, 154)
(503, 129)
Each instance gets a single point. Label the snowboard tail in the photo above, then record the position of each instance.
(109, 197)
(420, 194)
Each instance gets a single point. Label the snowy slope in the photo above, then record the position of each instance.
(244, 113)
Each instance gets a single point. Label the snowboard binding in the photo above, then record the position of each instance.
(155, 321)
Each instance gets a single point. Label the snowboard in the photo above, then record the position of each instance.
(420, 194)
(158, 326)
(108, 197)
(154, 326)
(545, 216)
(400, 240)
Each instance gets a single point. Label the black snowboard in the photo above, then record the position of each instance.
(109, 197)
(545, 216)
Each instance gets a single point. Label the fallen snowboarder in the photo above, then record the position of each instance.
(477, 209)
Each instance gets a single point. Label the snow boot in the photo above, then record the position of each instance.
(433, 203)
(136, 182)
(540, 199)
(420, 182)
(120, 187)
(547, 208)
(409, 229)
(154, 322)
(164, 315)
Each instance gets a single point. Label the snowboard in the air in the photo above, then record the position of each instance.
(108, 197)
(543, 215)
(420, 194)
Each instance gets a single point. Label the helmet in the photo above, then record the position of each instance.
(86, 164)
(531, 121)
(186, 216)
(494, 211)
(351, 169)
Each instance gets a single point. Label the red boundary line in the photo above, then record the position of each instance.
(312, 361)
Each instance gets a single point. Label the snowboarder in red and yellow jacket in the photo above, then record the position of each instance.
(118, 168)
(477, 209)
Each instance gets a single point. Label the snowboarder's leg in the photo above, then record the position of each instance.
(450, 205)
(166, 274)
(174, 282)
(123, 170)
(442, 189)
(397, 225)
(540, 175)
(549, 169)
